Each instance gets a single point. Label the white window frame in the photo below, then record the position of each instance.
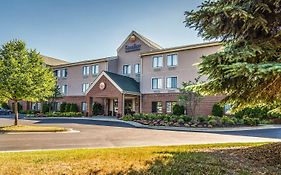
(64, 73)
(162, 61)
(64, 89)
(85, 70)
(95, 69)
(129, 69)
(84, 107)
(171, 82)
(158, 83)
(138, 68)
(172, 61)
(85, 87)
(58, 73)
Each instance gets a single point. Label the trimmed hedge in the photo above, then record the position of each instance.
(217, 110)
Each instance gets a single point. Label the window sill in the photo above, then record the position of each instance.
(157, 68)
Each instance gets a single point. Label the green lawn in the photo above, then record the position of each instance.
(31, 128)
(191, 159)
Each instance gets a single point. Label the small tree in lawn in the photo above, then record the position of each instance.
(23, 75)
(188, 98)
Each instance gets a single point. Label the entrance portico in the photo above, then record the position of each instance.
(118, 95)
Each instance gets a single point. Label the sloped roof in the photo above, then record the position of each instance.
(127, 84)
(142, 38)
(52, 61)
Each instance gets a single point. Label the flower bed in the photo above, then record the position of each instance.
(56, 114)
(188, 121)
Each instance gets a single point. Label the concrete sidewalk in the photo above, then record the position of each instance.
(169, 128)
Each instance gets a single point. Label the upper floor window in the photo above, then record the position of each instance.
(86, 70)
(57, 73)
(64, 89)
(157, 62)
(85, 86)
(64, 73)
(137, 68)
(171, 83)
(172, 60)
(156, 83)
(95, 69)
(126, 69)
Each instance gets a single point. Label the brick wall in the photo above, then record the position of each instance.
(204, 107)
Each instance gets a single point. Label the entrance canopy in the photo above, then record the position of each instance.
(111, 90)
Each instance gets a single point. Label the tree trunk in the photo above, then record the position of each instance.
(16, 113)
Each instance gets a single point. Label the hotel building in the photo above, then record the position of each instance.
(143, 78)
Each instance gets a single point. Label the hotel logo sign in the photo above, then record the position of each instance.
(132, 46)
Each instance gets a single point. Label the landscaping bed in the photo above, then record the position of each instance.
(188, 121)
(31, 128)
(190, 159)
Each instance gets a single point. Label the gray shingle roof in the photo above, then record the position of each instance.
(125, 83)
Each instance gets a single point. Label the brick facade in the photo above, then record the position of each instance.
(204, 107)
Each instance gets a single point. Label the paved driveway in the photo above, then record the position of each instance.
(95, 134)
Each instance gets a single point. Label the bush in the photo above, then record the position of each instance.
(67, 107)
(97, 109)
(227, 121)
(250, 121)
(187, 118)
(178, 109)
(64, 114)
(181, 121)
(73, 108)
(217, 110)
(261, 113)
(5, 106)
(62, 107)
(213, 122)
(45, 108)
(202, 119)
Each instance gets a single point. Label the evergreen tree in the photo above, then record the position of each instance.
(23, 76)
(248, 68)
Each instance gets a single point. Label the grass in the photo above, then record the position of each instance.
(31, 128)
(190, 159)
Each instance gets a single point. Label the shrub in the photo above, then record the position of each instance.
(217, 110)
(5, 106)
(227, 120)
(180, 121)
(186, 118)
(67, 107)
(178, 109)
(97, 109)
(213, 122)
(64, 114)
(257, 112)
(128, 118)
(62, 107)
(250, 121)
(73, 107)
(45, 108)
(202, 119)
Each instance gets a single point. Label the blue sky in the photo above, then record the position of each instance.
(76, 30)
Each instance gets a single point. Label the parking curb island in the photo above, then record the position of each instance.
(138, 125)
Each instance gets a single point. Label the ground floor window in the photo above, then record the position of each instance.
(157, 107)
(84, 106)
(169, 106)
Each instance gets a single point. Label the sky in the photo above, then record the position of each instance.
(75, 30)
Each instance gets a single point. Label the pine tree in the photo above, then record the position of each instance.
(248, 68)
(23, 76)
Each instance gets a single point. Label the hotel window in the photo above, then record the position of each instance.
(95, 69)
(157, 62)
(86, 70)
(57, 73)
(64, 89)
(64, 73)
(172, 60)
(85, 86)
(137, 68)
(171, 83)
(157, 107)
(156, 83)
(84, 106)
(169, 106)
(126, 69)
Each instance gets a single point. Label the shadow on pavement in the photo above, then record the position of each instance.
(82, 121)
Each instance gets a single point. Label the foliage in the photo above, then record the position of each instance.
(258, 112)
(64, 114)
(46, 107)
(227, 121)
(247, 69)
(250, 121)
(178, 109)
(62, 107)
(217, 110)
(189, 98)
(73, 108)
(97, 109)
(23, 75)
(67, 107)
(4, 106)
(202, 119)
